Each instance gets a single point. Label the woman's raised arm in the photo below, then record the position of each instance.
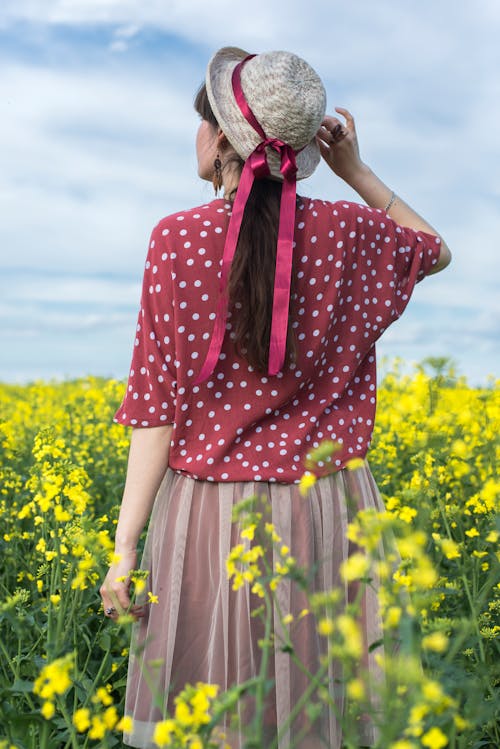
(338, 144)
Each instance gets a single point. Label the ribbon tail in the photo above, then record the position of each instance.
(283, 273)
(233, 232)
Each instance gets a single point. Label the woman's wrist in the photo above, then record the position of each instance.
(371, 189)
(359, 177)
(125, 545)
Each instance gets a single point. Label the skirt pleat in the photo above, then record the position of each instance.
(202, 630)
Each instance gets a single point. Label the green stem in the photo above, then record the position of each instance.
(299, 705)
(474, 617)
(467, 592)
(69, 723)
(257, 731)
(15, 673)
(97, 678)
(66, 614)
(44, 736)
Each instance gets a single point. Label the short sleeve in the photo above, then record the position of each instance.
(390, 259)
(151, 389)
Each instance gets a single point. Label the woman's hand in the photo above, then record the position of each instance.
(115, 589)
(338, 144)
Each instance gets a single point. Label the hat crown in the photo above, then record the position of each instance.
(286, 96)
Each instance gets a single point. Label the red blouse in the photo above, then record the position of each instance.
(355, 270)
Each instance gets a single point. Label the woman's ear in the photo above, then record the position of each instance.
(222, 141)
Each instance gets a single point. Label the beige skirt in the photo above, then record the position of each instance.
(202, 630)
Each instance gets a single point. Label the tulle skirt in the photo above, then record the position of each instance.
(201, 630)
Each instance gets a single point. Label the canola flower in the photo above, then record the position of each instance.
(192, 713)
(54, 678)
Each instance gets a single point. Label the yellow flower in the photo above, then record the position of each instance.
(81, 719)
(183, 713)
(356, 689)
(425, 576)
(54, 678)
(459, 448)
(98, 728)
(306, 482)
(460, 722)
(103, 696)
(163, 732)
(354, 567)
(450, 548)
(48, 710)
(140, 584)
(350, 630)
(249, 532)
(354, 463)
(271, 531)
(125, 724)
(432, 691)
(258, 588)
(61, 515)
(418, 713)
(325, 626)
(472, 532)
(152, 598)
(110, 717)
(407, 514)
(436, 641)
(434, 739)
(393, 616)
(55, 598)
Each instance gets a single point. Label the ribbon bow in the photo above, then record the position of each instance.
(257, 167)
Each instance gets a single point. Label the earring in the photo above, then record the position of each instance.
(217, 176)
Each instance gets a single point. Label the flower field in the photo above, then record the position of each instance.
(63, 665)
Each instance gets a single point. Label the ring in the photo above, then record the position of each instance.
(337, 133)
(110, 611)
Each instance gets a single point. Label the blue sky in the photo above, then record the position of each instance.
(97, 143)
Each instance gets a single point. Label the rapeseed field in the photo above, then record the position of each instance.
(434, 455)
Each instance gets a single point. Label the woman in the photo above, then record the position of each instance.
(242, 366)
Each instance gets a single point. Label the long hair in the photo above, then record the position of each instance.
(251, 281)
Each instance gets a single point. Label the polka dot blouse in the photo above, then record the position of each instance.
(355, 270)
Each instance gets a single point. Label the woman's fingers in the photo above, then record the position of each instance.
(323, 148)
(345, 113)
(329, 123)
(115, 600)
(329, 120)
(115, 589)
(338, 144)
(330, 137)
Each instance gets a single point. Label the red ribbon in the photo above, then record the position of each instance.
(257, 167)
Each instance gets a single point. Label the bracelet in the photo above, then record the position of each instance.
(391, 201)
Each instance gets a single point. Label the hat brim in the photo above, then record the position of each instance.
(232, 122)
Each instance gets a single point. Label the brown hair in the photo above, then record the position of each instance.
(251, 281)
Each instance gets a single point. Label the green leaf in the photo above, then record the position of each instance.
(21, 686)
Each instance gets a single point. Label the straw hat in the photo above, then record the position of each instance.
(285, 94)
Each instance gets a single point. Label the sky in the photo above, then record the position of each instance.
(97, 133)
